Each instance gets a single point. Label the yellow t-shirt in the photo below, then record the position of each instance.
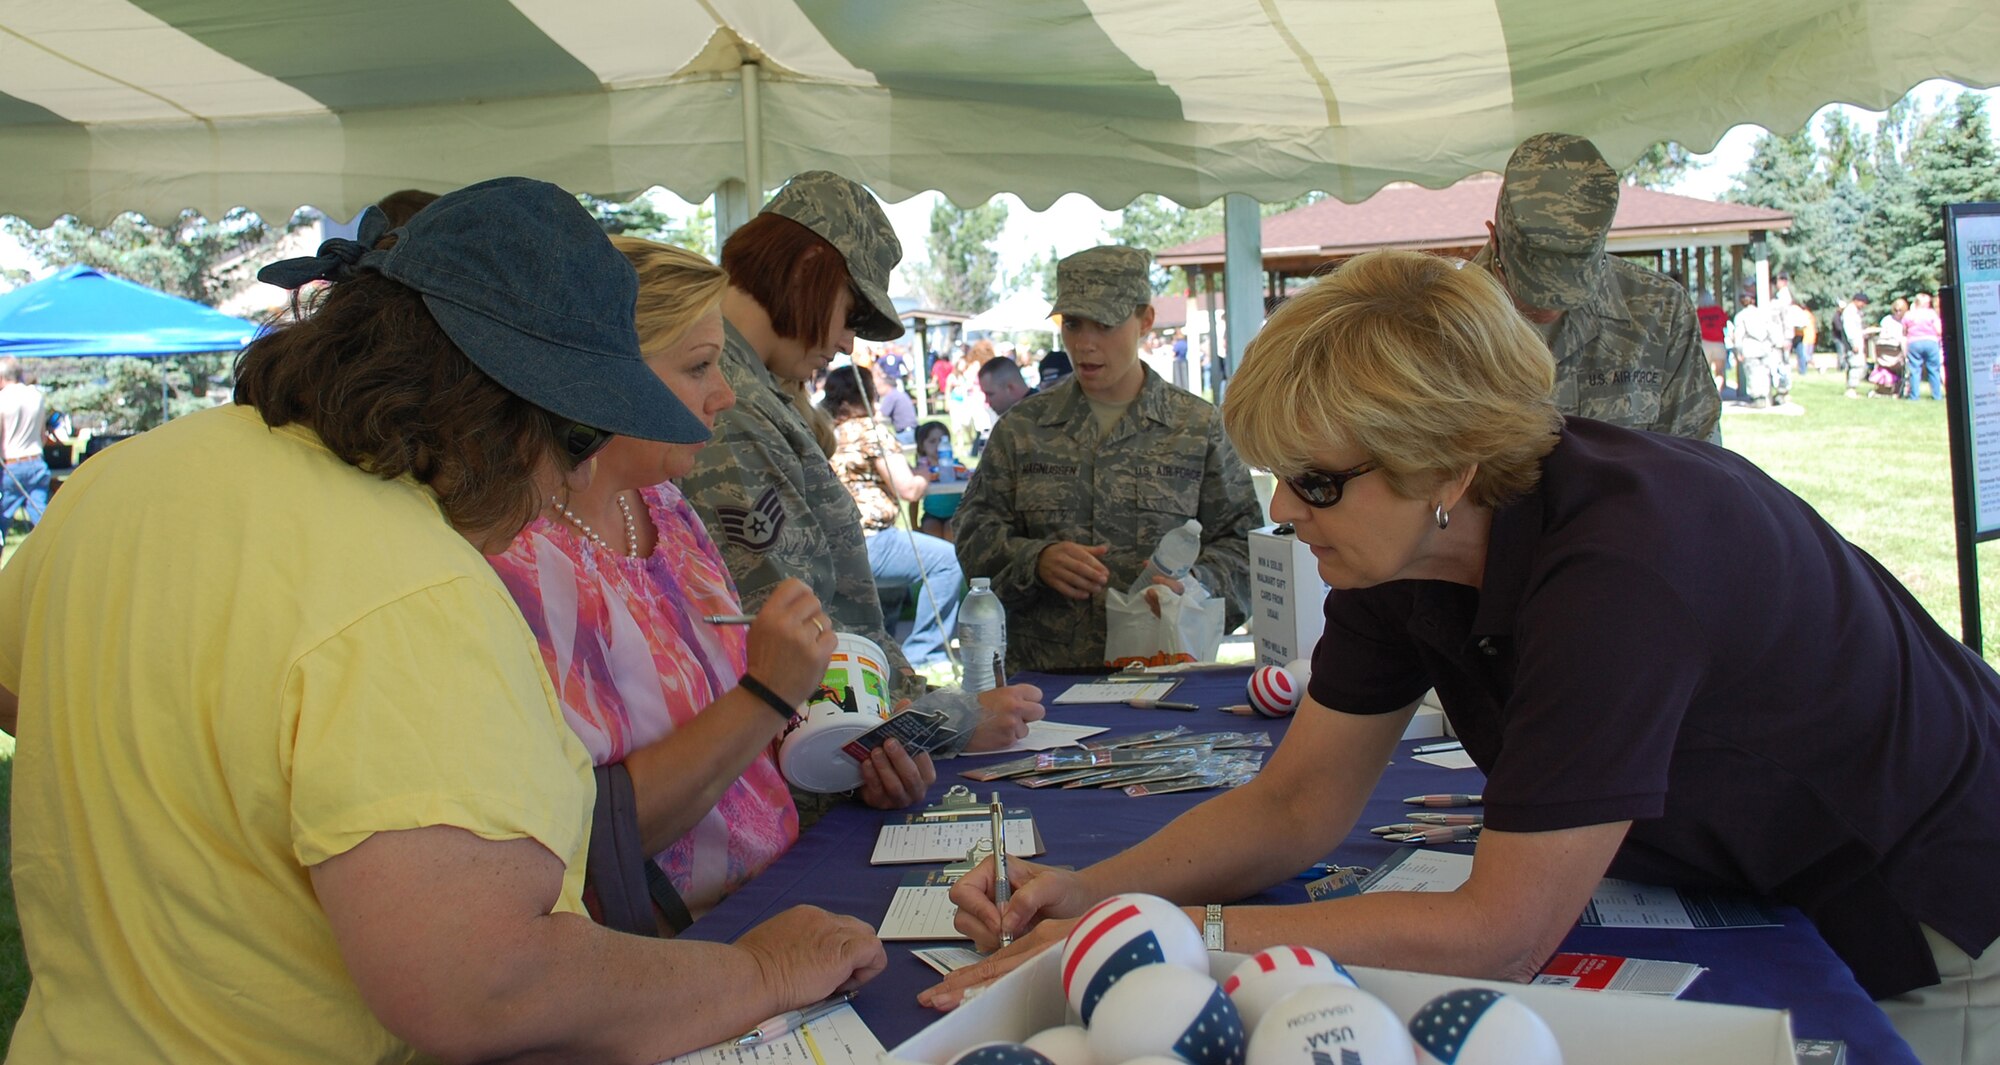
(236, 658)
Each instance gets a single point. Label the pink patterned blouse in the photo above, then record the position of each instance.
(632, 660)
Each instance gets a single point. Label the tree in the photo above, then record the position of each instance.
(1155, 222)
(1661, 166)
(642, 217)
(193, 258)
(1952, 161)
(1038, 275)
(182, 258)
(963, 264)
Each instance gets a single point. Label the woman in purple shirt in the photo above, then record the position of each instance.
(1669, 667)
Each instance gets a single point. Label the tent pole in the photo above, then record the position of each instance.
(1242, 277)
(736, 201)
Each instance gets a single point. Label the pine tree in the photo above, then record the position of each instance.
(963, 264)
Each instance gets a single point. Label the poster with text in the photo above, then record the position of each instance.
(1976, 242)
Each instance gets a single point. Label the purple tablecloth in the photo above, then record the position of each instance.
(1788, 967)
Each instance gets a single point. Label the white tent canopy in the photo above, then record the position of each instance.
(159, 105)
(1021, 312)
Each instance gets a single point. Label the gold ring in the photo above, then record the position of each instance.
(818, 629)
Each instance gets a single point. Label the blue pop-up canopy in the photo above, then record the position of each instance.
(79, 312)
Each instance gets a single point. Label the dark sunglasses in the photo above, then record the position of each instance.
(579, 441)
(1320, 489)
(860, 312)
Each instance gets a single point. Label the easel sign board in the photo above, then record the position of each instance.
(1973, 246)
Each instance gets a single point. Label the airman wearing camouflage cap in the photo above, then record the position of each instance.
(1081, 481)
(1625, 339)
(1104, 284)
(844, 214)
(1555, 211)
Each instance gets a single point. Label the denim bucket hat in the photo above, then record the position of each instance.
(526, 284)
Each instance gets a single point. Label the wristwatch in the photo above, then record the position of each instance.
(1211, 926)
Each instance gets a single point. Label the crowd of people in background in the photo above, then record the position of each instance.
(1761, 348)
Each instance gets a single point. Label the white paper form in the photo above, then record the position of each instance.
(948, 960)
(921, 909)
(1615, 903)
(941, 840)
(1115, 691)
(1048, 735)
(839, 1038)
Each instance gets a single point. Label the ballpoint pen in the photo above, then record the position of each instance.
(729, 619)
(1002, 891)
(791, 1020)
(1160, 704)
(1438, 834)
(1444, 800)
(1401, 828)
(1428, 818)
(1438, 748)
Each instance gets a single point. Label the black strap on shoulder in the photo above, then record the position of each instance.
(622, 882)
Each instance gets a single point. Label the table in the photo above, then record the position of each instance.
(1788, 967)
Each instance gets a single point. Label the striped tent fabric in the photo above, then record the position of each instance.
(159, 105)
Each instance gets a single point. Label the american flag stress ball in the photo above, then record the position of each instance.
(1269, 975)
(1329, 1024)
(1067, 1045)
(1167, 1010)
(1275, 691)
(1119, 935)
(999, 1054)
(1474, 1026)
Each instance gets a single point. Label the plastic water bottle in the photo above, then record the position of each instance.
(982, 637)
(947, 469)
(1173, 557)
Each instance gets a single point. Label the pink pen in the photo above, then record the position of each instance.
(1444, 800)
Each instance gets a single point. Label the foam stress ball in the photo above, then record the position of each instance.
(1274, 691)
(1269, 975)
(1167, 1010)
(1065, 1045)
(1301, 670)
(1475, 1026)
(1330, 1023)
(999, 1054)
(1119, 935)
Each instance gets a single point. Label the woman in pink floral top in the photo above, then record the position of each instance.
(615, 579)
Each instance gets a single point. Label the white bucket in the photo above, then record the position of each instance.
(852, 699)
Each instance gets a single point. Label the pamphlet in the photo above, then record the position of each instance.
(947, 839)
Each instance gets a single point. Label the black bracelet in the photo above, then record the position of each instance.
(757, 688)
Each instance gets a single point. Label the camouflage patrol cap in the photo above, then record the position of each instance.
(844, 213)
(1104, 284)
(1555, 210)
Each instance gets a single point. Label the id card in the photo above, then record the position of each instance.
(919, 731)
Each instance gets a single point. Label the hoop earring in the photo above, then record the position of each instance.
(1441, 516)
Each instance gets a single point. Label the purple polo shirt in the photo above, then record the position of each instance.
(1667, 635)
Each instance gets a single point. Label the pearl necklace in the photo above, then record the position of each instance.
(631, 525)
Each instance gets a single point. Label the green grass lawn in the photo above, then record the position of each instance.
(1877, 469)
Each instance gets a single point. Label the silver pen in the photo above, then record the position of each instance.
(791, 1020)
(1002, 891)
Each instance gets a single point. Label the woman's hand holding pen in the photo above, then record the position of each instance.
(1041, 893)
(1005, 717)
(790, 641)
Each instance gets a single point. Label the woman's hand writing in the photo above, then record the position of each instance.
(791, 641)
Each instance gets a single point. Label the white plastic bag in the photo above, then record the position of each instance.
(1188, 627)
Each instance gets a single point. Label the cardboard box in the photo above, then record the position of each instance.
(1593, 1028)
(1286, 596)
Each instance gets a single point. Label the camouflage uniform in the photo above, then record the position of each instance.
(763, 487)
(1628, 348)
(1047, 475)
